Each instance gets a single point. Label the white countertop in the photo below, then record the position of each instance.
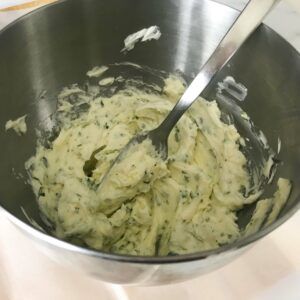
(26, 273)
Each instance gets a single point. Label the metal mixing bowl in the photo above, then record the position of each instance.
(55, 46)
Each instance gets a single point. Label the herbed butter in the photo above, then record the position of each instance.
(146, 206)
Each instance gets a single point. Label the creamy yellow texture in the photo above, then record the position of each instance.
(19, 125)
(267, 210)
(146, 206)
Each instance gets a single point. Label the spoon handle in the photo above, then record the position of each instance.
(249, 19)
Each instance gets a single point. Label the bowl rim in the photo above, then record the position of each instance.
(55, 242)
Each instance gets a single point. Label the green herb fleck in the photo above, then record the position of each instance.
(90, 165)
(177, 134)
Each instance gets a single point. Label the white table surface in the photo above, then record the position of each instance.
(268, 271)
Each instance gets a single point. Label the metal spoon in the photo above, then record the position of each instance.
(249, 19)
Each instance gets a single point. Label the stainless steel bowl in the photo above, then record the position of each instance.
(55, 46)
